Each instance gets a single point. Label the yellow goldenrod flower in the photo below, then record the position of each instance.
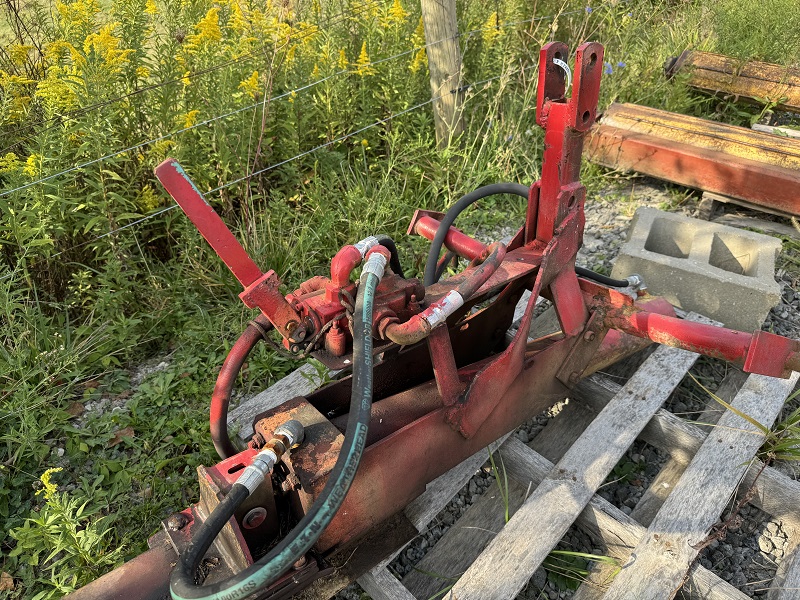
(315, 72)
(9, 163)
(396, 14)
(55, 90)
(150, 8)
(251, 86)
(491, 29)
(148, 199)
(207, 30)
(418, 37)
(190, 118)
(105, 45)
(78, 15)
(420, 60)
(48, 487)
(142, 72)
(31, 167)
(290, 54)
(237, 21)
(18, 53)
(185, 79)
(342, 62)
(363, 62)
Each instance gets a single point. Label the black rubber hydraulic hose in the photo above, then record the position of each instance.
(584, 272)
(300, 540)
(394, 261)
(455, 210)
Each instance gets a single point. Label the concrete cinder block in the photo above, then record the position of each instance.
(722, 272)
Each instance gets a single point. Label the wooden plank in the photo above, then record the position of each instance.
(299, 382)
(502, 570)
(380, 584)
(775, 493)
(737, 162)
(661, 559)
(668, 476)
(749, 80)
(744, 202)
(768, 227)
(422, 510)
(463, 542)
(780, 131)
(607, 524)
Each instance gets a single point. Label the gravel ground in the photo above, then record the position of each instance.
(748, 555)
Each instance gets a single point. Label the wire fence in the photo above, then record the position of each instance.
(298, 156)
(58, 120)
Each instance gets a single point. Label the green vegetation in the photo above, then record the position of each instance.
(98, 274)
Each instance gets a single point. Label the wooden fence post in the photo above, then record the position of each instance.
(444, 63)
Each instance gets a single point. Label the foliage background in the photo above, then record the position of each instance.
(97, 272)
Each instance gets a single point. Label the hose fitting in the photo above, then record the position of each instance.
(377, 259)
(364, 245)
(288, 435)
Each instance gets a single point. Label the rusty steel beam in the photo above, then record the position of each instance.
(754, 81)
(743, 164)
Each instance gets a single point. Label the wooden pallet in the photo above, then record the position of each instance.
(553, 485)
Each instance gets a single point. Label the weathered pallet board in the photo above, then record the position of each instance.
(508, 562)
(675, 537)
(786, 585)
(775, 493)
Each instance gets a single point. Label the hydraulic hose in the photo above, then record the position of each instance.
(455, 210)
(394, 260)
(281, 558)
(584, 272)
(221, 397)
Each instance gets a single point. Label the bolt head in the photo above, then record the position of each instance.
(177, 521)
(301, 562)
(254, 517)
(589, 336)
(574, 377)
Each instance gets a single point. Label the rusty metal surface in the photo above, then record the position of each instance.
(757, 167)
(752, 80)
(145, 577)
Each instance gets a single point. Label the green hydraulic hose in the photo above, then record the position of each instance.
(300, 540)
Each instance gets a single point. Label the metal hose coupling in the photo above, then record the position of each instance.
(286, 436)
(366, 244)
(377, 259)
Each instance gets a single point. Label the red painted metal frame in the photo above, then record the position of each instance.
(423, 429)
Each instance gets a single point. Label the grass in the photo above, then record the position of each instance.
(79, 311)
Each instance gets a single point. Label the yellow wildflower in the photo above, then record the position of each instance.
(78, 15)
(185, 79)
(207, 30)
(237, 21)
(491, 29)
(31, 167)
(142, 72)
(148, 199)
(150, 8)
(420, 60)
(105, 45)
(9, 163)
(315, 72)
(292, 96)
(18, 53)
(251, 86)
(48, 487)
(365, 142)
(396, 14)
(418, 37)
(190, 118)
(55, 90)
(54, 51)
(363, 62)
(290, 54)
(342, 62)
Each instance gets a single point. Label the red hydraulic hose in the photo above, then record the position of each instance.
(221, 397)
